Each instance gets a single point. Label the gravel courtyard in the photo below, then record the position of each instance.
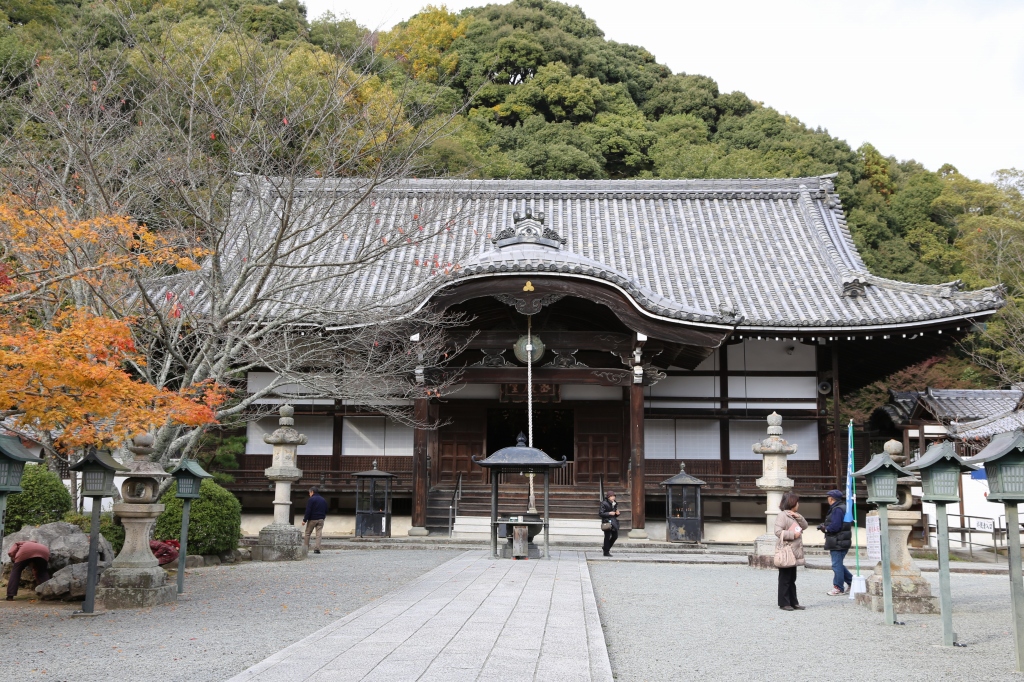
(661, 622)
(229, 618)
(691, 622)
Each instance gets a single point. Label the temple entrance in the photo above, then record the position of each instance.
(553, 430)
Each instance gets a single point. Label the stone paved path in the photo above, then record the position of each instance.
(472, 618)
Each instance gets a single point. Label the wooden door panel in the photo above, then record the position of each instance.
(460, 440)
(599, 444)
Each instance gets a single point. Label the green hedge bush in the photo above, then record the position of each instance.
(215, 522)
(44, 499)
(113, 533)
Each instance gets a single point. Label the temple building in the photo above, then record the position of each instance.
(669, 318)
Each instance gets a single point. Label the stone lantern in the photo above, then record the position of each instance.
(774, 481)
(135, 579)
(281, 540)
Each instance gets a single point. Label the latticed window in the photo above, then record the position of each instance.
(885, 487)
(945, 482)
(5, 469)
(1011, 478)
(187, 485)
(92, 481)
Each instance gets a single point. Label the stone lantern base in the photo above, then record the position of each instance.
(134, 588)
(911, 593)
(764, 552)
(279, 542)
(135, 579)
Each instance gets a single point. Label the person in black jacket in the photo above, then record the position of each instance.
(609, 515)
(316, 512)
(838, 540)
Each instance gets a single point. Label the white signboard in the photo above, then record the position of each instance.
(874, 528)
(986, 525)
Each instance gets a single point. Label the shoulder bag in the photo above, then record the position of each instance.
(784, 557)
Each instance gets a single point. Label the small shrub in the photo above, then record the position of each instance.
(108, 529)
(44, 499)
(215, 522)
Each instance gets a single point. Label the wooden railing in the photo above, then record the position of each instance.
(316, 470)
(562, 476)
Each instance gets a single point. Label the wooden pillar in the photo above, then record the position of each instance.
(419, 468)
(636, 448)
(840, 466)
(723, 424)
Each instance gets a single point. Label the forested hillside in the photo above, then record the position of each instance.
(541, 93)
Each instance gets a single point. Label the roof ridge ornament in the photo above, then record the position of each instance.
(529, 229)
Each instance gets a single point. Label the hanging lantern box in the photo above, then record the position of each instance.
(13, 457)
(881, 474)
(189, 475)
(97, 469)
(940, 468)
(1003, 458)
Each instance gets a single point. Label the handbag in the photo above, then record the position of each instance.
(606, 525)
(784, 557)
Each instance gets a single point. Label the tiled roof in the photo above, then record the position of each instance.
(983, 429)
(900, 406)
(967, 405)
(770, 254)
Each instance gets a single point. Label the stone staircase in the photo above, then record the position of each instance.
(573, 509)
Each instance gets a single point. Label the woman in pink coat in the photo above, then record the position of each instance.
(23, 554)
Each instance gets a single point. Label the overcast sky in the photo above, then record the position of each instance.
(940, 81)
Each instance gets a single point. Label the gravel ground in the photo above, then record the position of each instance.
(723, 623)
(229, 618)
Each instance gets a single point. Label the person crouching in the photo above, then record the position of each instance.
(27, 553)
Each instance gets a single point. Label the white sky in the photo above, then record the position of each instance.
(939, 81)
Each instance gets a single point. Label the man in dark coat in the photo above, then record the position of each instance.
(609, 515)
(838, 539)
(316, 512)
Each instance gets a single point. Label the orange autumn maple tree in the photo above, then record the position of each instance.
(63, 368)
(44, 251)
(69, 379)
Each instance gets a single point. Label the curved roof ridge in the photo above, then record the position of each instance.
(529, 259)
(814, 183)
(952, 289)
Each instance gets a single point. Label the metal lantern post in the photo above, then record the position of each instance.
(881, 474)
(188, 476)
(684, 520)
(1003, 458)
(940, 468)
(98, 469)
(373, 503)
(13, 457)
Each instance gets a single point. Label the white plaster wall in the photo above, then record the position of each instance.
(744, 433)
(763, 356)
(587, 392)
(477, 392)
